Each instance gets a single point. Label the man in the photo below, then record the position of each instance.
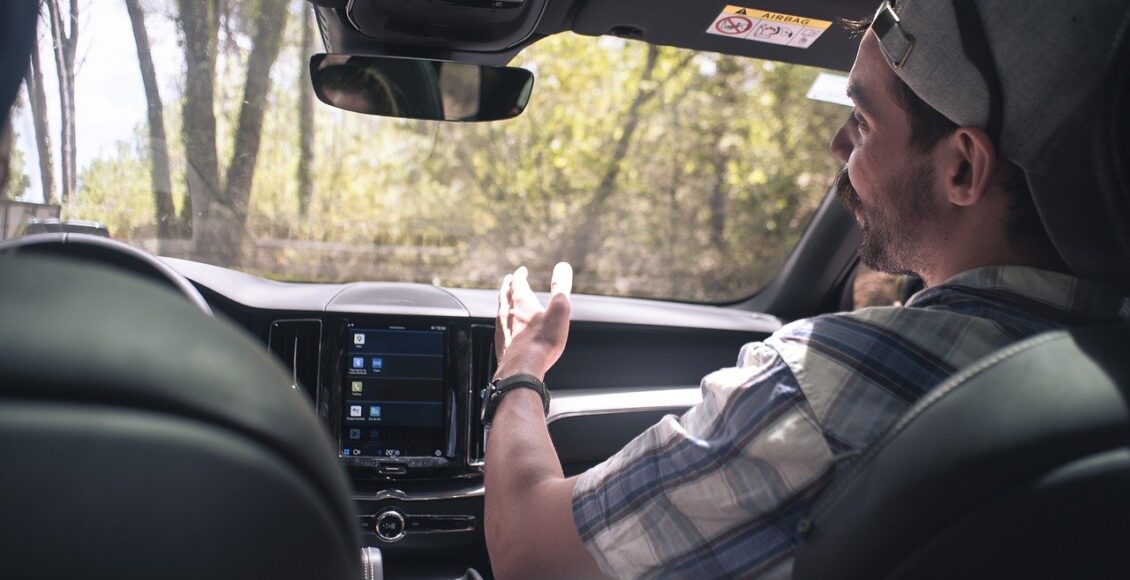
(940, 152)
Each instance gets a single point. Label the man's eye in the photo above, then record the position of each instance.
(858, 119)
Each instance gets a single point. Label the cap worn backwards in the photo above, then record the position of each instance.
(1031, 74)
(1049, 56)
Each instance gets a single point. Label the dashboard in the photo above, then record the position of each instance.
(394, 371)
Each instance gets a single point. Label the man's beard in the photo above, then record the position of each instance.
(895, 226)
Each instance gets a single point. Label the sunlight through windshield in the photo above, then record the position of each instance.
(657, 172)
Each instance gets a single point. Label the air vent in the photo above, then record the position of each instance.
(482, 368)
(298, 344)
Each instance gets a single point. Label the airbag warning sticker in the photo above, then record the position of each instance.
(764, 26)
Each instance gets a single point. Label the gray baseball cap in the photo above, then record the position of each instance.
(1031, 73)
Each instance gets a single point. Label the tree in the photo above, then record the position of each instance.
(64, 32)
(673, 175)
(37, 99)
(13, 181)
(168, 226)
(220, 208)
(306, 116)
(587, 230)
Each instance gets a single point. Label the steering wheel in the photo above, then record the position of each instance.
(119, 255)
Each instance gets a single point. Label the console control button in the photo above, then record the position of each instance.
(429, 523)
(456, 523)
(500, 4)
(393, 468)
(389, 525)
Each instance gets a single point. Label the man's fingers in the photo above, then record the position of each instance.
(521, 279)
(520, 286)
(558, 310)
(504, 294)
(562, 280)
(504, 288)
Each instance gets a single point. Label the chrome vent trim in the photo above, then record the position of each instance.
(482, 367)
(298, 345)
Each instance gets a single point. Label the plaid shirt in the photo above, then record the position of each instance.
(719, 491)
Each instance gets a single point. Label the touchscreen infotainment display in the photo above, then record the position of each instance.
(393, 399)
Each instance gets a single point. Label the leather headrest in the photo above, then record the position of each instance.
(1084, 200)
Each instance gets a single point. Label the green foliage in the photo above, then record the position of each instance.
(18, 180)
(116, 190)
(717, 181)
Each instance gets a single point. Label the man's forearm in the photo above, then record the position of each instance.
(518, 433)
(525, 489)
(530, 530)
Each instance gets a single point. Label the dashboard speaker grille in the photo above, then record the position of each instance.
(298, 344)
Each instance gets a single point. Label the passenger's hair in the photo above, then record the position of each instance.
(928, 126)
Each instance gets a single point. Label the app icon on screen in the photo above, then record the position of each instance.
(375, 411)
(355, 411)
(356, 386)
(357, 452)
(359, 339)
(378, 363)
(345, 451)
(354, 433)
(358, 362)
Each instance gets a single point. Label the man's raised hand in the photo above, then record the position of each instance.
(530, 338)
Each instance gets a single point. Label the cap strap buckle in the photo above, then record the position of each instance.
(895, 42)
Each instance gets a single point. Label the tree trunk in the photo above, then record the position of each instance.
(585, 235)
(161, 178)
(220, 209)
(306, 115)
(199, 20)
(249, 132)
(718, 202)
(37, 98)
(65, 35)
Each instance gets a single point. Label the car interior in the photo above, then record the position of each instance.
(168, 418)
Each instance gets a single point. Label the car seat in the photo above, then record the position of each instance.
(142, 438)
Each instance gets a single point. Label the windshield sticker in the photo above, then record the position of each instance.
(771, 27)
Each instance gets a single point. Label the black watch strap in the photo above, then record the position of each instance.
(493, 393)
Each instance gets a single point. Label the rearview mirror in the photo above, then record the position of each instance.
(420, 89)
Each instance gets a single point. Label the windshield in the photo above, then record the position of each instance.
(657, 172)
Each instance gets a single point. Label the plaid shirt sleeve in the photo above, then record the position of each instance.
(716, 492)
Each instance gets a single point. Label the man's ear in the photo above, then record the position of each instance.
(968, 164)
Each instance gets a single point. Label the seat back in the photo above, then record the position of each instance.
(1018, 467)
(141, 438)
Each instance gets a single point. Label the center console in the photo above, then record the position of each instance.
(399, 396)
(398, 404)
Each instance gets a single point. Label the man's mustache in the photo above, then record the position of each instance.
(846, 193)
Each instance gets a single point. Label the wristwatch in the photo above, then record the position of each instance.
(492, 394)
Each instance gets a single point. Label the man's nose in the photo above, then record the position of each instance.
(842, 143)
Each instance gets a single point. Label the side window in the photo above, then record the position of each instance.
(872, 288)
